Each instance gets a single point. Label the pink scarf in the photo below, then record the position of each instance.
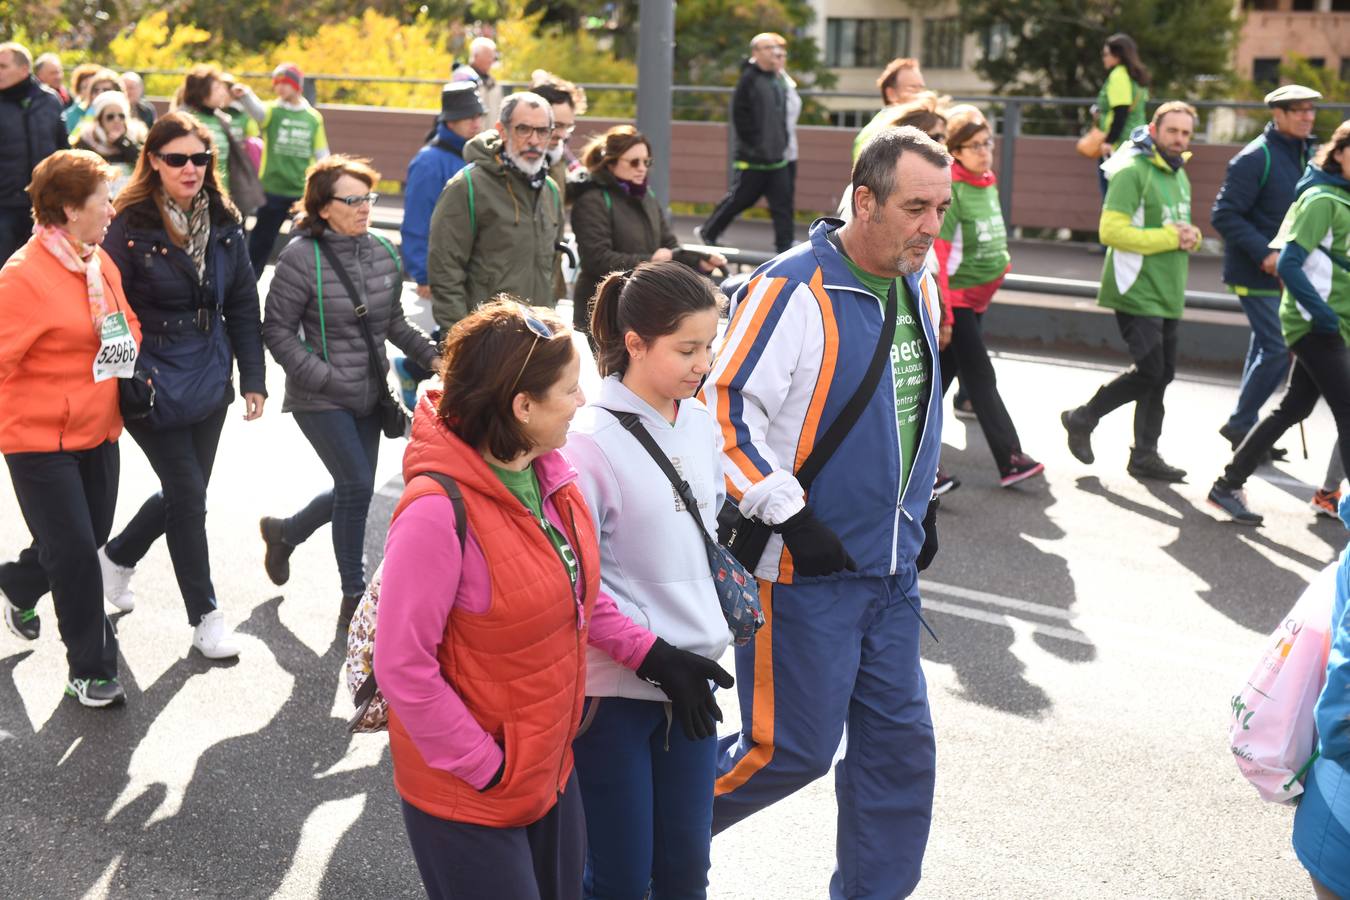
(77, 256)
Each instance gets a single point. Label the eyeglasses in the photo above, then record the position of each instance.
(982, 145)
(643, 163)
(178, 160)
(524, 131)
(540, 331)
(358, 199)
(1300, 110)
(113, 116)
(564, 129)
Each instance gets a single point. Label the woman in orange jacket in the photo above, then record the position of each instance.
(67, 334)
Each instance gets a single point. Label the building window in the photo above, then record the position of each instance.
(865, 43)
(942, 39)
(1266, 70)
(996, 39)
(1304, 6)
(1345, 68)
(1317, 62)
(1261, 5)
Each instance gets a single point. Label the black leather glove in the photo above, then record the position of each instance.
(684, 677)
(930, 535)
(815, 549)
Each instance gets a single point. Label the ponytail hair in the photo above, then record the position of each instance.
(650, 300)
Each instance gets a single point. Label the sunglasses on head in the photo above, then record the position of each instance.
(178, 160)
(540, 330)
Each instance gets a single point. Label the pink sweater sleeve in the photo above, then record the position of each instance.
(421, 578)
(613, 633)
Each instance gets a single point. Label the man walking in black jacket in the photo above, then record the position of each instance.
(760, 117)
(30, 131)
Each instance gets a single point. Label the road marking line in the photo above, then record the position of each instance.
(1039, 609)
(991, 618)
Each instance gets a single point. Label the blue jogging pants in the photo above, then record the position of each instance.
(836, 654)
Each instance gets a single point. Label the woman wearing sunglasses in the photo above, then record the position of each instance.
(333, 388)
(114, 135)
(617, 221)
(482, 641)
(179, 244)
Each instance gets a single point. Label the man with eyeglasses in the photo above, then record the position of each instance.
(30, 130)
(498, 222)
(1256, 193)
(568, 101)
(759, 112)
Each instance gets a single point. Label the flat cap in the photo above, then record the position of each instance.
(1291, 93)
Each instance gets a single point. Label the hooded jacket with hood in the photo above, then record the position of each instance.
(1259, 186)
(1146, 197)
(481, 651)
(1314, 245)
(671, 591)
(615, 231)
(492, 233)
(316, 337)
(430, 169)
(759, 112)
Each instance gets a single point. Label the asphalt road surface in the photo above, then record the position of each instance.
(1092, 630)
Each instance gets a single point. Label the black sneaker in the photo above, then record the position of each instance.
(23, 623)
(1079, 427)
(1020, 468)
(277, 557)
(1231, 435)
(96, 692)
(1234, 504)
(945, 484)
(1148, 464)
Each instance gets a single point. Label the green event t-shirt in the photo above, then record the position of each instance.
(1120, 89)
(220, 144)
(525, 486)
(979, 240)
(910, 366)
(1152, 195)
(291, 141)
(1319, 218)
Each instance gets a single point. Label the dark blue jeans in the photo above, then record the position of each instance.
(348, 446)
(183, 459)
(648, 793)
(1267, 361)
(266, 228)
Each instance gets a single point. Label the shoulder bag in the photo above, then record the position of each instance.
(393, 420)
(737, 590)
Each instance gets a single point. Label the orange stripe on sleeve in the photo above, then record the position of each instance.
(729, 442)
(761, 725)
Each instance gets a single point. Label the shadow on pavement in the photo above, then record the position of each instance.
(988, 543)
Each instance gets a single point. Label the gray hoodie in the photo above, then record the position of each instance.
(324, 356)
(652, 559)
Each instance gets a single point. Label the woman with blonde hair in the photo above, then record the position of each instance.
(618, 221)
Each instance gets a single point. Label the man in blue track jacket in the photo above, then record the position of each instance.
(839, 578)
(1256, 193)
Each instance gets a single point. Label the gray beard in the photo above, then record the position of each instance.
(554, 156)
(525, 166)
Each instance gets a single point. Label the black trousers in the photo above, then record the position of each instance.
(541, 861)
(1152, 342)
(1321, 369)
(967, 355)
(16, 224)
(68, 499)
(182, 458)
(747, 186)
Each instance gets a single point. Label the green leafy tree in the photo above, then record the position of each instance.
(1054, 46)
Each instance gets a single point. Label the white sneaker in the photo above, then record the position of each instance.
(212, 639)
(117, 582)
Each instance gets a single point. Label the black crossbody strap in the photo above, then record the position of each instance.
(852, 411)
(358, 303)
(631, 422)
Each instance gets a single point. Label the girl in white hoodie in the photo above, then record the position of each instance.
(646, 782)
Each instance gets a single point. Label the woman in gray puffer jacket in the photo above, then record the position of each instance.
(313, 331)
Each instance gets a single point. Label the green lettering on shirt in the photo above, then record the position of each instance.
(911, 369)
